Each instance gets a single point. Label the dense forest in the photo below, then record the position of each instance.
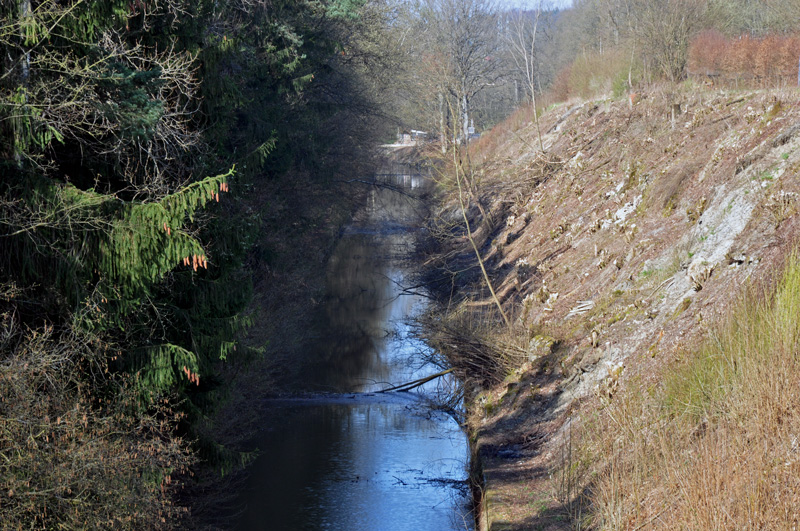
(140, 143)
(135, 139)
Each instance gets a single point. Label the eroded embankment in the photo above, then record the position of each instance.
(614, 253)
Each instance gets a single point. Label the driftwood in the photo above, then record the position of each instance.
(416, 383)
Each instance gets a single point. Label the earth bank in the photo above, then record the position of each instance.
(615, 253)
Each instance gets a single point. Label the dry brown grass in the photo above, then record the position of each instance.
(717, 444)
(588, 76)
(482, 149)
(667, 188)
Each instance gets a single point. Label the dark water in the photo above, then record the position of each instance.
(350, 459)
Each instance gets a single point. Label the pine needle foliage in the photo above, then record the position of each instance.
(108, 257)
(122, 247)
(124, 274)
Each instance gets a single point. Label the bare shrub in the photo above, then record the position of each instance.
(465, 337)
(597, 73)
(760, 62)
(71, 460)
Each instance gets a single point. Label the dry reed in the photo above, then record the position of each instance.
(717, 444)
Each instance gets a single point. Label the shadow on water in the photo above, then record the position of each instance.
(363, 461)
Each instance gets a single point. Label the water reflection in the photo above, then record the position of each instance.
(353, 317)
(365, 341)
(362, 467)
(363, 462)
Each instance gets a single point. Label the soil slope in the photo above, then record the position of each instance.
(614, 251)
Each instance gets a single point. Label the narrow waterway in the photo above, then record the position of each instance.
(347, 458)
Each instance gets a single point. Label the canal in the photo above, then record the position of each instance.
(342, 456)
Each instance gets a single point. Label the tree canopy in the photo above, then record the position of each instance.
(130, 134)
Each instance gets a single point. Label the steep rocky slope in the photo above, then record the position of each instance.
(614, 252)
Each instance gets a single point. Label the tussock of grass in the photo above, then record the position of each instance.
(717, 445)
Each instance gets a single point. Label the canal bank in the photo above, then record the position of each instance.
(621, 260)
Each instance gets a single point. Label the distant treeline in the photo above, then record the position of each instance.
(768, 60)
(611, 45)
(475, 61)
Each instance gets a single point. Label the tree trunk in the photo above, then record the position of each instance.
(442, 128)
(25, 70)
(465, 118)
(24, 13)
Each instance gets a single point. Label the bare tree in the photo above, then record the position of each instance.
(463, 35)
(523, 28)
(663, 31)
(783, 15)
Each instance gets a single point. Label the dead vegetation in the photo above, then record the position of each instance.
(614, 255)
(714, 445)
(67, 454)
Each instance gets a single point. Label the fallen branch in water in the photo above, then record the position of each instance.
(416, 383)
(379, 185)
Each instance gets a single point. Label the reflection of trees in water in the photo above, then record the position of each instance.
(351, 330)
(358, 287)
(352, 326)
(398, 198)
(338, 466)
(292, 457)
(318, 464)
(402, 206)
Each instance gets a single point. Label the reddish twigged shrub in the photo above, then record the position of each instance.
(765, 61)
